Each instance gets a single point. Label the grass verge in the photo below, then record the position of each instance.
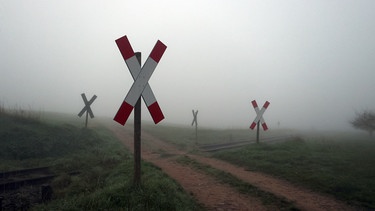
(340, 167)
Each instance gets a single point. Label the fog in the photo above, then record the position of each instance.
(312, 60)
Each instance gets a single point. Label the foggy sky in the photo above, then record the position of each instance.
(312, 60)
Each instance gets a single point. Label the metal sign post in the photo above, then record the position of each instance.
(87, 108)
(195, 121)
(137, 135)
(140, 87)
(259, 118)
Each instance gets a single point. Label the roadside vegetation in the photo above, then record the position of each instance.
(105, 179)
(339, 167)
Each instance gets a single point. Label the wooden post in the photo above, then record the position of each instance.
(46, 191)
(195, 120)
(196, 131)
(258, 132)
(1, 203)
(87, 117)
(137, 135)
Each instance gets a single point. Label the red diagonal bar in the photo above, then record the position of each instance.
(158, 51)
(264, 125)
(252, 126)
(266, 104)
(123, 113)
(254, 103)
(125, 48)
(156, 113)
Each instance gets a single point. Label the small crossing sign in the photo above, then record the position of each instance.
(259, 117)
(87, 107)
(195, 114)
(195, 121)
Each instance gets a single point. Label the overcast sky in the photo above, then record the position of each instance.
(314, 61)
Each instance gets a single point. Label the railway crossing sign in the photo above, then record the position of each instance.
(259, 117)
(195, 114)
(87, 108)
(195, 120)
(140, 87)
(141, 76)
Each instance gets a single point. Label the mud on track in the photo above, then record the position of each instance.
(218, 196)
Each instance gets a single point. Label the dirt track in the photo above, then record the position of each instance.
(217, 196)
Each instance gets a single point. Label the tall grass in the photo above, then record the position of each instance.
(20, 114)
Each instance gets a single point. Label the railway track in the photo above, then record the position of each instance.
(20, 189)
(229, 145)
(12, 180)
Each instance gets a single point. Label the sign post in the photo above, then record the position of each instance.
(87, 108)
(137, 135)
(259, 118)
(195, 121)
(140, 87)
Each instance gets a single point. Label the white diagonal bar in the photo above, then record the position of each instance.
(140, 82)
(261, 118)
(135, 68)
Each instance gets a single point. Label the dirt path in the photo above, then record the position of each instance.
(215, 195)
(208, 191)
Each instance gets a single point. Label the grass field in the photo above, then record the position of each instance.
(184, 137)
(105, 181)
(340, 164)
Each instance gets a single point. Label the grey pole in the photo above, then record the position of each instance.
(137, 135)
(258, 132)
(87, 118)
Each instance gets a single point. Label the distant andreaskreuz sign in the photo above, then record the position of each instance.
(259, 116)
(87, 107)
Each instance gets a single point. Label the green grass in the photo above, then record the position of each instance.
(268, 199)
(105, 181)
(184, 137)
(343, 168)
(117, 192)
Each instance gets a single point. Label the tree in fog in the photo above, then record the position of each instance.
(364, 121)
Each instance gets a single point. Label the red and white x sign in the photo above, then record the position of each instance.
(259, 115)
(141, 77)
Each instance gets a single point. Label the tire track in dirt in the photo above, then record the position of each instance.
(303, 198)
(204, 187)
